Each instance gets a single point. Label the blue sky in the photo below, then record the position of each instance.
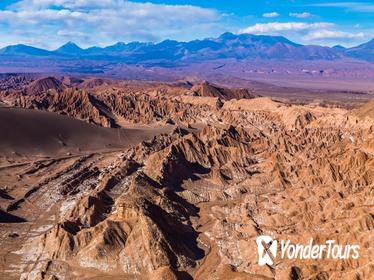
(50, 23)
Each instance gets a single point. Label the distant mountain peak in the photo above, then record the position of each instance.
(370, 43)
(364, 51)
(228, 36)
(120, 44)
(70, 44)
(69, 48)
(338, 47)
(23, 50)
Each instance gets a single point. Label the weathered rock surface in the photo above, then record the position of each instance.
(189, 203)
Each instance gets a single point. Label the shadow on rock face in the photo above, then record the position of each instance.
(5, 217)
(182, 237)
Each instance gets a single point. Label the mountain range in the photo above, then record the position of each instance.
(226, 46)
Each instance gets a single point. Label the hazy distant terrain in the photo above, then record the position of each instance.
(273, 59)
(228, 45)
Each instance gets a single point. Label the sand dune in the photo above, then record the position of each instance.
(28, 132)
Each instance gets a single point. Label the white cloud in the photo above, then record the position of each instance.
(330, 34)
(72, 34)
(325, 33)
(276, 27)
(50, 23)
(71, 4)
(300, 15)
(353, 6)
(105, 21)
(271, 15)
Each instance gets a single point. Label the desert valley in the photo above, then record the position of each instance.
(121, 179)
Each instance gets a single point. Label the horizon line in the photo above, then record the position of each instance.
(161, 41)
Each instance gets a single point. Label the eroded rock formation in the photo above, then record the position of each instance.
(190, 202)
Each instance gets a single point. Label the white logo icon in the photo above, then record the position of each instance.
(267, 250)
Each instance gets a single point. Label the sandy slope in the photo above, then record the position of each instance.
(31, 132)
